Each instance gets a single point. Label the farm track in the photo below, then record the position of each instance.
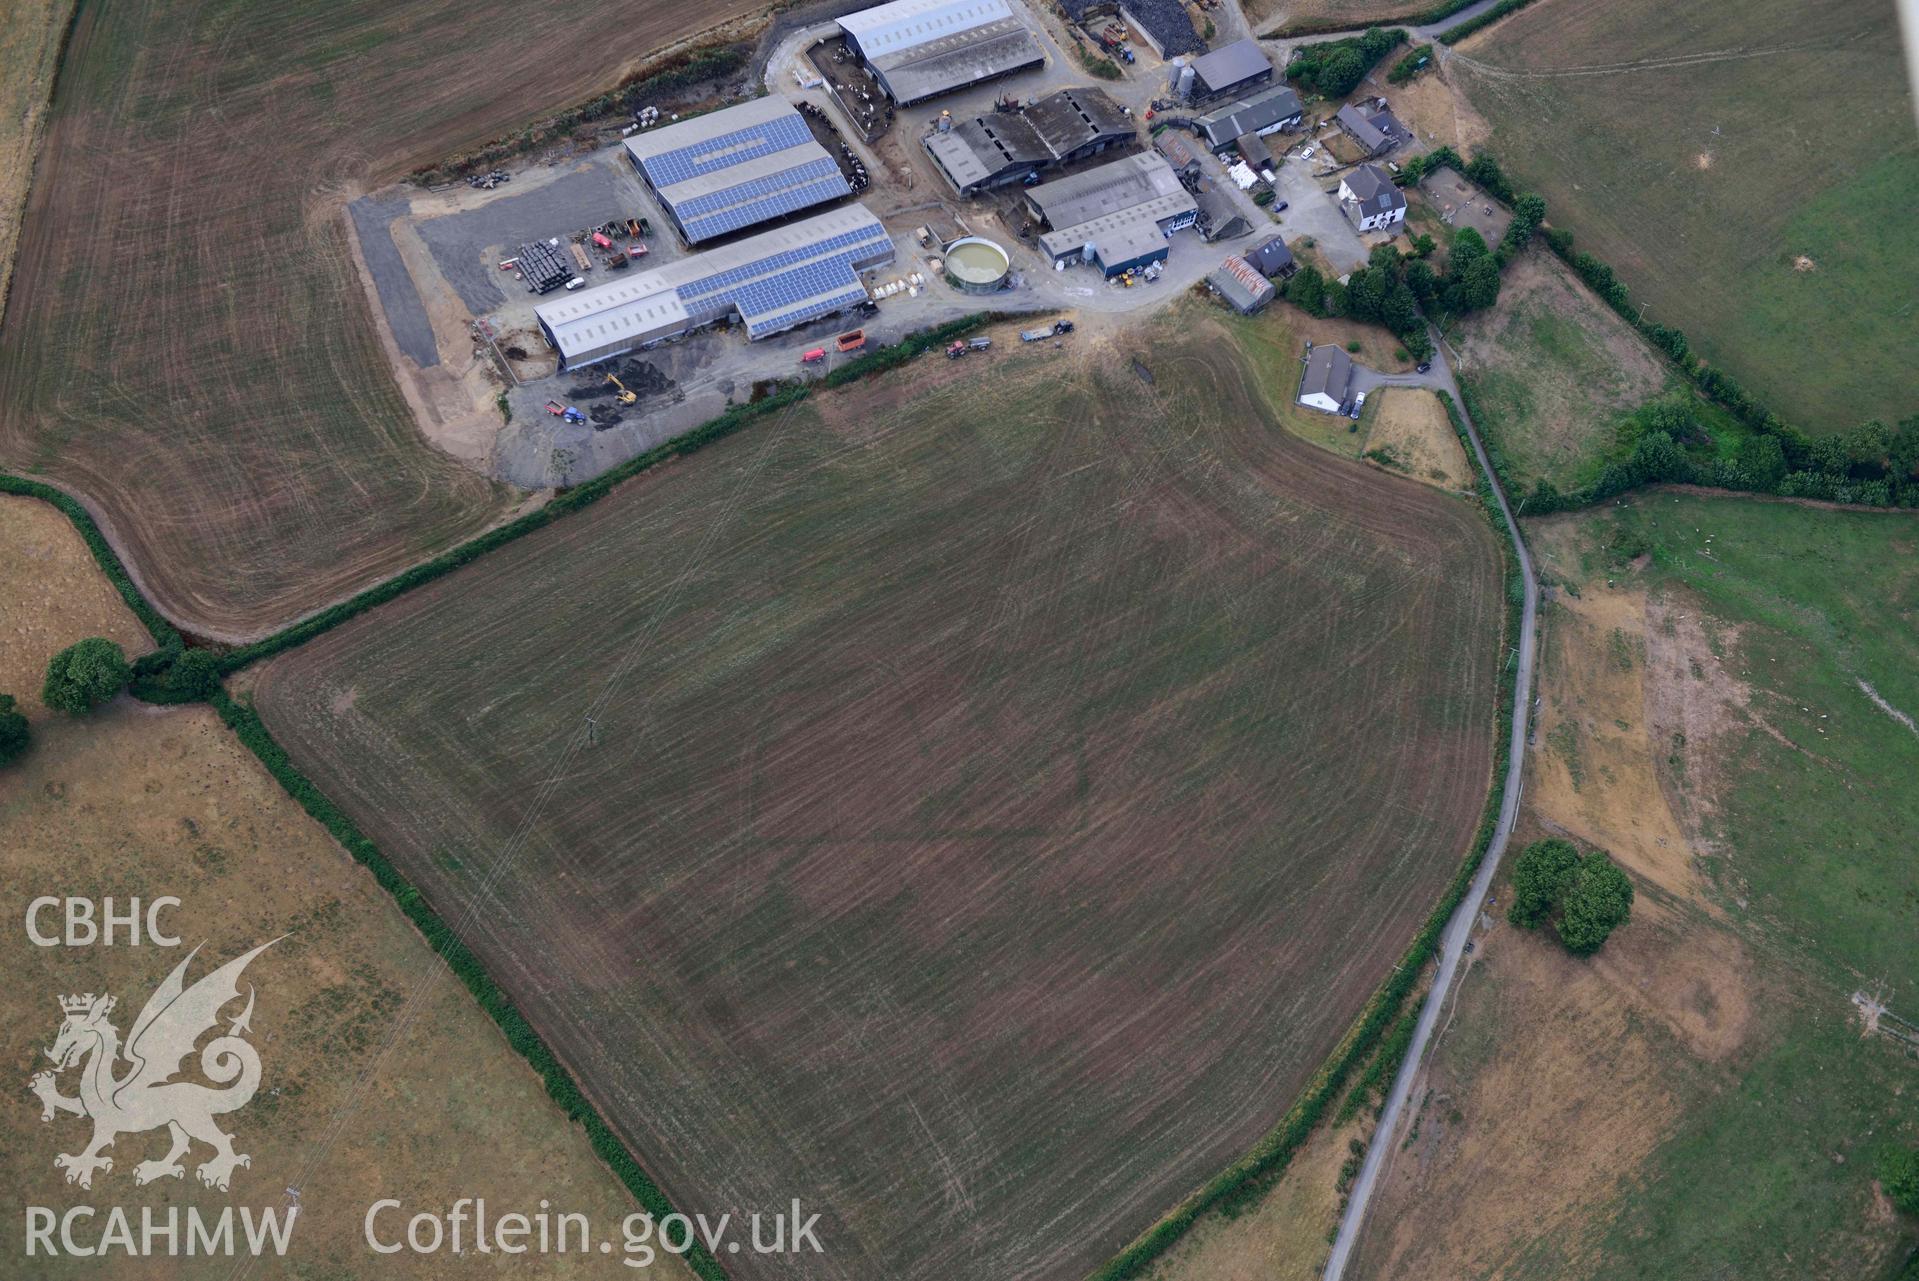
(186, 345)
(1003, 795)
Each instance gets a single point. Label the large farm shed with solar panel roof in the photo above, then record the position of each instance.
(772, 282)
(919, 49)
(736, 168)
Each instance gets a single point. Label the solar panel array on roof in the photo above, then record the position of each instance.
(772, 281)
(737, 167)
(757, 200)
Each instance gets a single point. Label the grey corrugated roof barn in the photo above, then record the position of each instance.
(919, 49)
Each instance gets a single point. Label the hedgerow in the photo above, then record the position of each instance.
(1417, 59)
(1245, 1180)
(1478, 22)
(560, 1086)
(1872, 466)
(585, 495)
(157, 626)
(1412, 17)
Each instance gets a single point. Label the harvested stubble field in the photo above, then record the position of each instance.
(1747, 166)
(145, 801)
(188, 345)
(1009, 781)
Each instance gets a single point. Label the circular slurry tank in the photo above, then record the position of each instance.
(976, 265)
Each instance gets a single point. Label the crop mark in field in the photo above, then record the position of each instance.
(1209, 650)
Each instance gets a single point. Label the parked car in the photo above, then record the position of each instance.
(1283, 204)
(1425, 366)
(1359, 402)
(578, 282)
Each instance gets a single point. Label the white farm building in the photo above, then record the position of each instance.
(919, 49)
(771, 282)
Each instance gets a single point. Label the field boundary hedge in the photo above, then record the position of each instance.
(876, 361)
(560, 1086)
(1802, 474)
(1252, 1174)
(1479, 22)
(1410, 17)
(163, 633)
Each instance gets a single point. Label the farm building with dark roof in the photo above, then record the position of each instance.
(1164, 25)
(1004, 147)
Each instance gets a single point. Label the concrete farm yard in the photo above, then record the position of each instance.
(860, 884)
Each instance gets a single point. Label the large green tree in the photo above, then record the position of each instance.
(1540, 876)
(1899, 1177)
(14, 734)
(1598, 901)
(84, 675)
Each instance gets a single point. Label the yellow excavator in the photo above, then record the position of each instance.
(625, 397)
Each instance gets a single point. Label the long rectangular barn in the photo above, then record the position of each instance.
(919, 49)
(772, 282)
(736, 167)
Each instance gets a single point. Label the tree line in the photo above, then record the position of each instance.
(1873, 465)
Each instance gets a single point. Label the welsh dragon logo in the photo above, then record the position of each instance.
(144, 1096)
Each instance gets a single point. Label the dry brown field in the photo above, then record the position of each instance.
(146, 801)
(188, 346)
(29, 48)
(1007, 781)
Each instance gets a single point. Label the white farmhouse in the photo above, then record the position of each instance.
(1328, 375)
(1369, 199)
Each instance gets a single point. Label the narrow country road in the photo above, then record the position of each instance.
(1453, 941)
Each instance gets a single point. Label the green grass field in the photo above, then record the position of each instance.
(1551, 371)
(1748, 166)
(1820, 814)
(1700, 1099)
(1816, 822)
(1010, 780)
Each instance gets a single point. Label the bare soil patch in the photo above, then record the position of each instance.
(1556, 1080)
(1433, 106)
(1411, 425)
(51, 595)
(1010, 766)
